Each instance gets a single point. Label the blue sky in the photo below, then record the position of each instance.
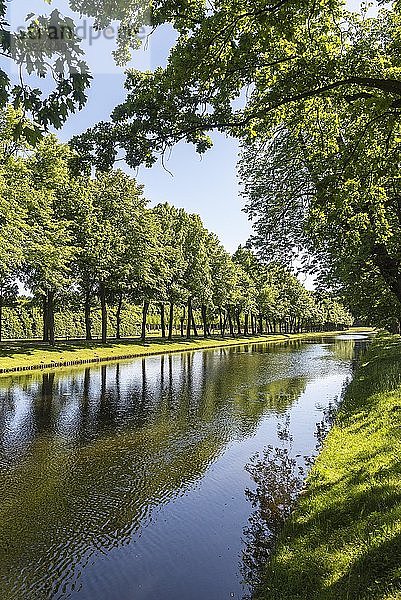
(206, 185)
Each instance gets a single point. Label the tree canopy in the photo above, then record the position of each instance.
(240, 67)
(325, 183)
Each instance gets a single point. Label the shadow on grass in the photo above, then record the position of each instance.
(365, 545)
(374, 575)
(13, 349)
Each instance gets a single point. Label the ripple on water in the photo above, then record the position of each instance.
(128, 480)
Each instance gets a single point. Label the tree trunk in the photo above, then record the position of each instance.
(162, 320)
(230, 323)
(88, 320)
(171, 322)
(50, 316)
(193, 322)
(103, 304)
(253, 324)
(246, 324)
(189, 318)
(145, 310)
(45, 318)
(221, 323)
(260, 324)
(182, 321)
(204, 320)
(238, 318)
(225, 320)
(118, 316)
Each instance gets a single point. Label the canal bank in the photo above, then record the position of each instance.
(343, 540)
(27, 356)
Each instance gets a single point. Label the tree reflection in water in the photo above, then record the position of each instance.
(278, 478)
(97, 462)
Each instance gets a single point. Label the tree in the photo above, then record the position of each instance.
(79, 209)
(49, 248)
(173, 223)
(151, 271)
(287, 54)
(115, 255)
(347, 212)
(13, 228)
(197, 276)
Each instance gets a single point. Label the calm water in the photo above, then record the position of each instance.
(127, 482)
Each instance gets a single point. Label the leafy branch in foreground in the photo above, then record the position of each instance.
(45, 54)
(237, 67)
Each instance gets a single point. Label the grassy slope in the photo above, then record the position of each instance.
(23, 355)
(344, 539)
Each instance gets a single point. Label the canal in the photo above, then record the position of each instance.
(128, 481)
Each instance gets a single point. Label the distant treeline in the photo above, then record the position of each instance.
(90, 251)
(24, 321)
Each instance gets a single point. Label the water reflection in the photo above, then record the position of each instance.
(95, 460)
(278, 478)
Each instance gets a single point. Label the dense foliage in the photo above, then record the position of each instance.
(81, 244)
(324, 181)
(312, 90)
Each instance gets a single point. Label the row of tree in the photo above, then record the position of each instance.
(320, 128)
(73, 238)
(320, 125)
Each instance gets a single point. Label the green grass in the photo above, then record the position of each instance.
(343, 541)
(34, 355)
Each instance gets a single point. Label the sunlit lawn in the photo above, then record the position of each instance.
(35, 354)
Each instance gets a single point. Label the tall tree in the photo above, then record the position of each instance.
(173, 223)
(197, 274)
(116, 254)
(15, 194)
(49, 248)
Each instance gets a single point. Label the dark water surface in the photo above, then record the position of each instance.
(127, 481)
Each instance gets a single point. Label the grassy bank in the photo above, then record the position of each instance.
(343, 541)
(20, 356)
